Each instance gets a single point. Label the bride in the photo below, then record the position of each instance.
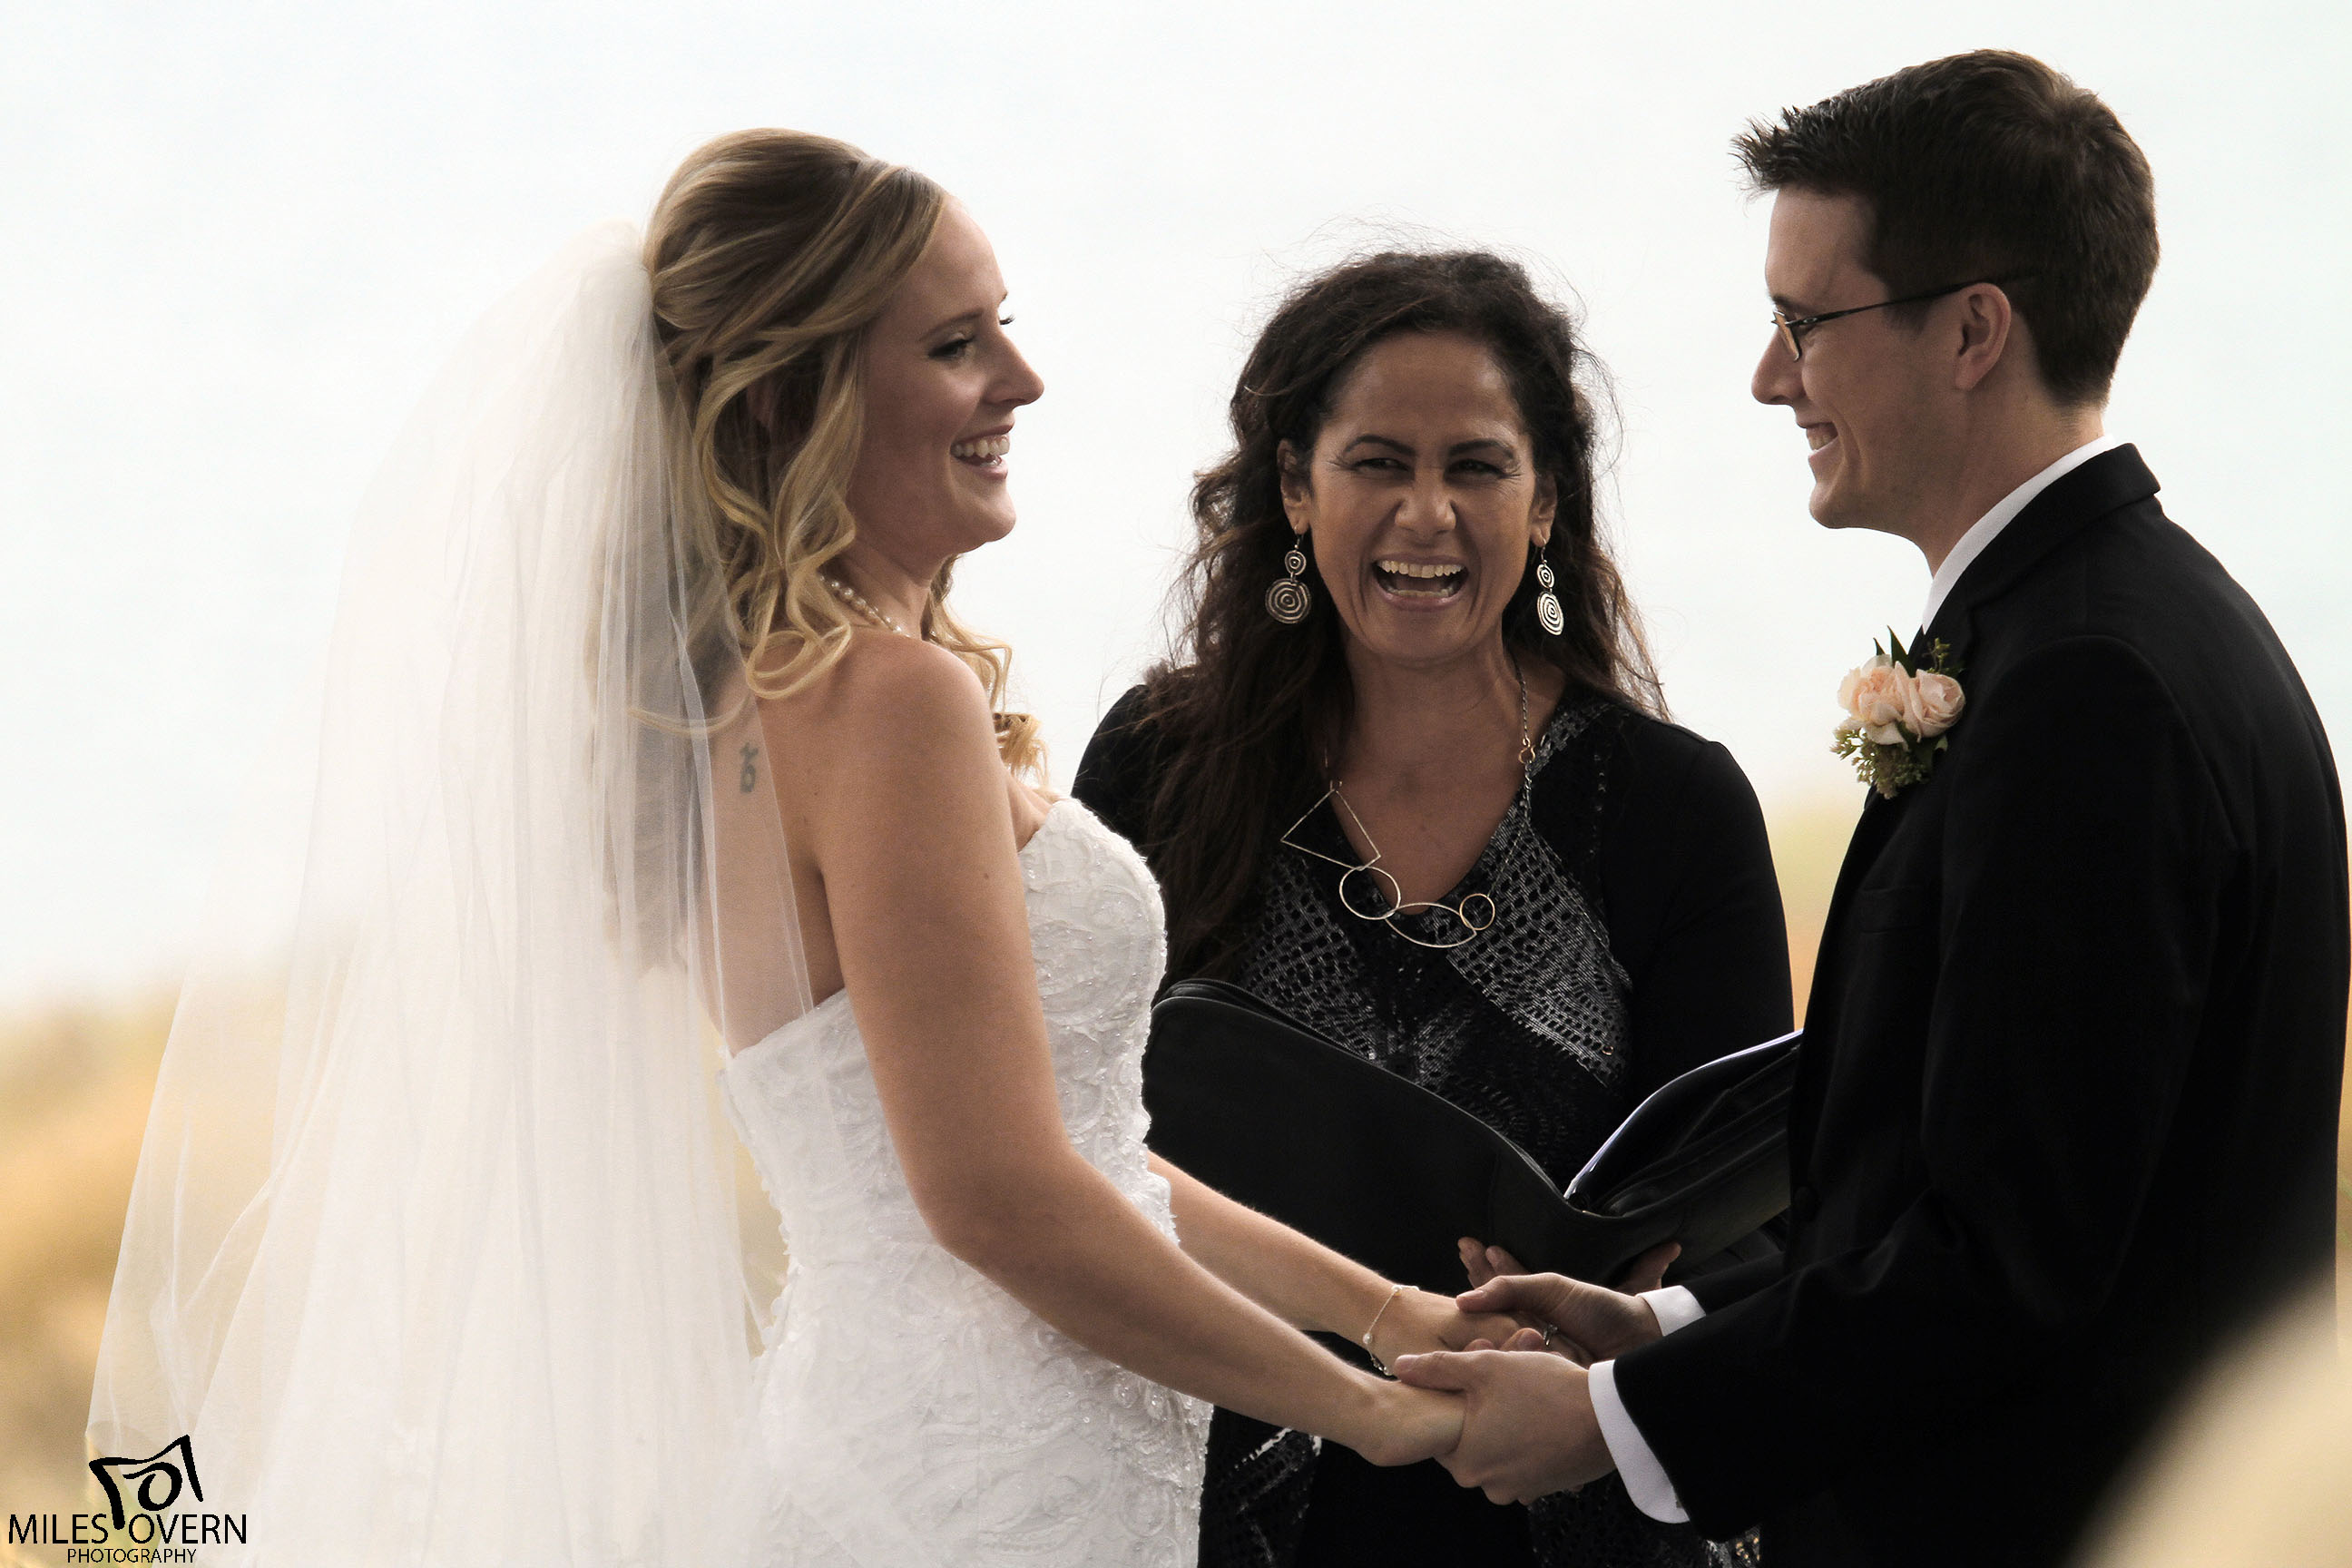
(651, 776)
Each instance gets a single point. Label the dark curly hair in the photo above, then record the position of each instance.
(1238, 716)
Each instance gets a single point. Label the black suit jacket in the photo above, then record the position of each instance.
(2065, 1114)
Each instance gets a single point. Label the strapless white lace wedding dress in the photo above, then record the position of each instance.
(909, 1411)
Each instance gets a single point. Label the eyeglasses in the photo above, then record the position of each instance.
(1793, 328)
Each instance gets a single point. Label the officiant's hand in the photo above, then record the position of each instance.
(1529, 1429)
(1589, 1322)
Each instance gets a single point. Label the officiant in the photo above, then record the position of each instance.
(1409, 779)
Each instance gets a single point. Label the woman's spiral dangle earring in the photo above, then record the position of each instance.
(1287, 600)
(1548, 608)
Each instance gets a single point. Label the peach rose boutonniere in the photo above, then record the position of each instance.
(1896, 714)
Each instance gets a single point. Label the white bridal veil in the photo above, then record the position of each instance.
(433, 1251)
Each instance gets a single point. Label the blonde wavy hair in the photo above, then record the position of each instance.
(771, 253)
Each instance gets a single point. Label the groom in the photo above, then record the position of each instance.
(2065, 1114)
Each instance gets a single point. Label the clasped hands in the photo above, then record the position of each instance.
(1527, 1426)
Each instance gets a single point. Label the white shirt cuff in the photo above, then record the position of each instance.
(1675, 1307)
(1645, 1478)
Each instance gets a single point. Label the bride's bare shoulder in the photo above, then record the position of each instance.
(888, 702)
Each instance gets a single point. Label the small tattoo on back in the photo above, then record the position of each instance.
(750, 778)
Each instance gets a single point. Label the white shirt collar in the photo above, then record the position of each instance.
(1986, 528)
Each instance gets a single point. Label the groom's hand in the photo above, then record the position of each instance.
(1589, 1323)
(1528, 1429)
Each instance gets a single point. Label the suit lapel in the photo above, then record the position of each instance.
(2110, 480)
(1879, 816)
(2106, 482)
(1818, 1053)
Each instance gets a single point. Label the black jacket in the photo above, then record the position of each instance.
(2065, 1117)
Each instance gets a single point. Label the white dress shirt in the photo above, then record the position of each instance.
(1986, 529)
(1645, 1480)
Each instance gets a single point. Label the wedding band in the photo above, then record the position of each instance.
(1546, 1334)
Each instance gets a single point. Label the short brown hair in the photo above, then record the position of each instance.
(1992, 165)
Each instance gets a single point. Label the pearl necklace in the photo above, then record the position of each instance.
(861, 604)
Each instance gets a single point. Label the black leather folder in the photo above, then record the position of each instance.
(1269, 1111)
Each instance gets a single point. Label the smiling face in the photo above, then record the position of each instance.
(1873, 395)
(1421, 499)
(942, 380)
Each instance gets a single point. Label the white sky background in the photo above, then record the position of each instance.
(235, 239)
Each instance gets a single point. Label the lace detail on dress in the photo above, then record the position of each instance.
(911, 1412)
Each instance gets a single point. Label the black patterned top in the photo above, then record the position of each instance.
(1638, 932)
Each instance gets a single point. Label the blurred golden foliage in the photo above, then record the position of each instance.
(1808, 845)
(74, 1087)
(75, 1082)
(2251, 1473)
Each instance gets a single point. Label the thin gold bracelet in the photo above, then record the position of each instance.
(1381, 1366)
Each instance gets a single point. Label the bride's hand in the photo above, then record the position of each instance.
(1410, 1424)
(1418, 1322)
